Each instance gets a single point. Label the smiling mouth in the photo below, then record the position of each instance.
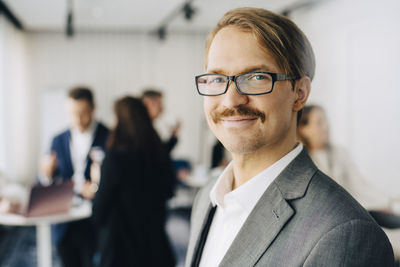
(240, 113)
(238, 119)
(235, 122)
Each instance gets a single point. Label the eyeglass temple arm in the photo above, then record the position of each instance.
(283, 77)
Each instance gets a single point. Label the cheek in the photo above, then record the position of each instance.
(208, 106)
(74, 117)
(86, 117)
(317, 133)
(282, 107)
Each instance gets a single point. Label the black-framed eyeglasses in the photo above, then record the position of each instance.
(248, 83)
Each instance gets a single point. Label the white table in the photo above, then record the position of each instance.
(43, 227)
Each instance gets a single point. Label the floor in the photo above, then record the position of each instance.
(18, 244)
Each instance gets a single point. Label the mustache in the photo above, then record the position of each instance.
(239, 111)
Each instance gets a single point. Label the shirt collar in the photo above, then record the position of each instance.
(248, 194)
(89, 131)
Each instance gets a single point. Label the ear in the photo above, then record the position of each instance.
(302, 90)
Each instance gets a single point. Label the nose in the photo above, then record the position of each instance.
(232, 98)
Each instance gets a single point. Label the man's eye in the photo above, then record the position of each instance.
(258, 77)
(217, 80)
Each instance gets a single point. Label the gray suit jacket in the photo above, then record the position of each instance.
(303, 219)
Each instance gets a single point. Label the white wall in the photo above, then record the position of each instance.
(356, 45)
(357, 50)
(2, 100)
(118, 64)
(17, 151)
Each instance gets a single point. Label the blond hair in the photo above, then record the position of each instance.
(276, 34)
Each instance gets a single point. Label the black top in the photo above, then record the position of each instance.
(130, 209)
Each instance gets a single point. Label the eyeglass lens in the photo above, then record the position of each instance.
(248, 83)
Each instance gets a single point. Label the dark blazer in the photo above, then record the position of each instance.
(130, 210)
(65, 170)
(61, 145)
(303, 219)
(170, 144)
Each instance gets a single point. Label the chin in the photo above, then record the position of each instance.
(83, 129)
(242, 146)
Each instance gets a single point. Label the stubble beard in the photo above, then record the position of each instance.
(237, 142)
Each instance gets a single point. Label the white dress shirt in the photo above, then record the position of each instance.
(80, 145)
(234, 206)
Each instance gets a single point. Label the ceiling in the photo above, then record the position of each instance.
(130, 15)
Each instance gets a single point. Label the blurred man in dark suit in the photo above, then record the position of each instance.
(70, 159)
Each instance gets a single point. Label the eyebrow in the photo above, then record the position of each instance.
(262, 68)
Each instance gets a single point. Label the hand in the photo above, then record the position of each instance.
(89, 189)
(176, 128)
(48, 165)
(183, 175)
(9, 206)
(95, 169)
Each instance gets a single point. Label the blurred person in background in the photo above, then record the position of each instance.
(218, 155)
(69, 159)
(153, 100)
(136, 181)
(335, 161)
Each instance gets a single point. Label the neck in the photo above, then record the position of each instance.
(86, 129)
(246, 166)
(318, 147)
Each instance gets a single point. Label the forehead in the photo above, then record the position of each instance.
(317, 113)
(154, 100)
(78, 104)
(234, 51)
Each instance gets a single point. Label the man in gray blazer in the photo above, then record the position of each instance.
(271, 206)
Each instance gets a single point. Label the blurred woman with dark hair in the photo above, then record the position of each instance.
(335, 161)
(136, 181)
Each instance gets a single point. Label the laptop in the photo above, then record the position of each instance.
(49, 200)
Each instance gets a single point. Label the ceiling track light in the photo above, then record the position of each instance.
(188, 11)
(161, 32)
(69, 31)
(4, 10)
(300, 5)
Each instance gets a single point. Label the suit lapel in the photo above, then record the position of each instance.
(270, 214)
(199, 219)
(95, 142)
(66, 144)
(99, 140)
(262, 226)
(97, 136)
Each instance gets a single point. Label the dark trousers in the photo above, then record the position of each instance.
(78, 245)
